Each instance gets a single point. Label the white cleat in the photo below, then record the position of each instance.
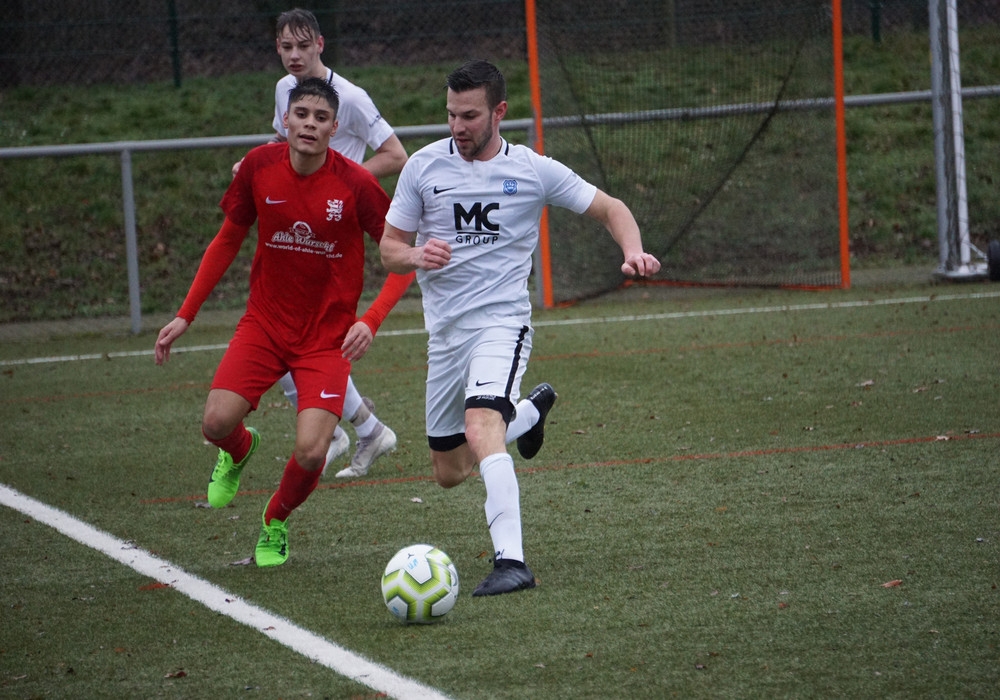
(381, 440)
(339, 446)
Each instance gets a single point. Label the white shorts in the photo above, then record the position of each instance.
(473, 368)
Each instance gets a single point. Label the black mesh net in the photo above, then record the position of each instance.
(713, 122)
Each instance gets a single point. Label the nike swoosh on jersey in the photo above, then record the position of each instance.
(439, 190)
(479, 383)
(268, 200)
(324, 395)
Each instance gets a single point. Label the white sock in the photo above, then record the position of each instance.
(291, 393)
(524, 420)
(503, 505)
(352, 400)
(367, 427)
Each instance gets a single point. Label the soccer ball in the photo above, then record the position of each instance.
(420, 584)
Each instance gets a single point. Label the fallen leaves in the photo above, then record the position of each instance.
(154, 586)
(895, 583)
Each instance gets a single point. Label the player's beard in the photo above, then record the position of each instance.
(477, 146)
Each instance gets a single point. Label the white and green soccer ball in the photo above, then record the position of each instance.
(420, 584)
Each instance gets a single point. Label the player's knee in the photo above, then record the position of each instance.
(310, 457)
(216, 425)
(447, 472)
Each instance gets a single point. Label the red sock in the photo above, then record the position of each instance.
(295, 487)
(237, 443)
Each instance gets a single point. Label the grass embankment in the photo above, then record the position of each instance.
(62, 250)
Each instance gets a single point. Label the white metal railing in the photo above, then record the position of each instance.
(126, 148)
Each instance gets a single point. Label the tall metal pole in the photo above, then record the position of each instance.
(131, 242)
(954, 245)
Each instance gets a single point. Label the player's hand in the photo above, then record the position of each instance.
(357, 341)
(168, 334)
(640, 265)
(236, 166)
(433, 255)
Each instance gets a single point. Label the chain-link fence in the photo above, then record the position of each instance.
(61, 42)
(48, 42)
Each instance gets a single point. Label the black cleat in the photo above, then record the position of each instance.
(543, 396)
(507, 576)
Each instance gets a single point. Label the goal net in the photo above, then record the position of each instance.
(714, 121)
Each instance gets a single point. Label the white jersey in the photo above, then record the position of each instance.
(488, 211)
(360, 123)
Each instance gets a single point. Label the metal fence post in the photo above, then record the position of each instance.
(131, 244)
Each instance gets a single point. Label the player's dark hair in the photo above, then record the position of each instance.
(477, 74)
(299, 22)
(315, 87)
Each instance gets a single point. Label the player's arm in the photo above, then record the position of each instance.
(388, 159)
(360, 336)
(218, 257)
(618, 220)
(399, 255)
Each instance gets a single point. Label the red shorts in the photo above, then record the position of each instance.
(254, 362)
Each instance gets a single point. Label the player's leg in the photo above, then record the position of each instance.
(321, 379)
(375, 438)
(447, 365)
(301, 475)
(528, 424)
(339, 444)
(247, 369)
(222, 425)
(451, 465)
(484, 428)
(497, 362)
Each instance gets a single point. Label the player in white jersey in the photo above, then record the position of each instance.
(465, 216)
(300, 44)
(360, 126)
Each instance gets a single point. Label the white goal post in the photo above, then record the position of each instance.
(956, 248)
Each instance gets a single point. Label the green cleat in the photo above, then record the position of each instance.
(272, 545)
(225, 480)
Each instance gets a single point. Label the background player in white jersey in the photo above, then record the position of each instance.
(360, 126)
(465, 216)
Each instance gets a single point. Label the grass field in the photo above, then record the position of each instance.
(753, 494)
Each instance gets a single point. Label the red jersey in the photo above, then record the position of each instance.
(308, 270)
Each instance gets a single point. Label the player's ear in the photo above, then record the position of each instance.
(500, 110)
(320, 43)
(284, 120)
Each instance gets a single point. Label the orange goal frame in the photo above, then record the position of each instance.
(545, 257)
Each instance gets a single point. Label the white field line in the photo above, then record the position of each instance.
(674, 315)
(322, 651)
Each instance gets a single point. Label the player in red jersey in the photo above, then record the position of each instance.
(312, 207)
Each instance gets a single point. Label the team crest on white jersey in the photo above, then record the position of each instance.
(510, 187)
(334, 209)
